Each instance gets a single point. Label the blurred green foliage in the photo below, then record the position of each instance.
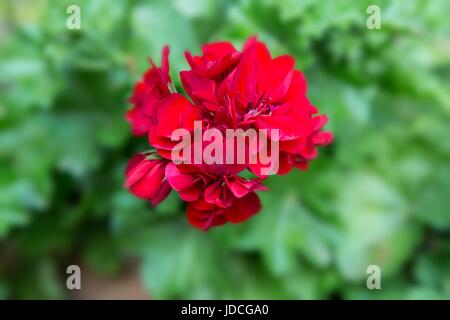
(379, 195)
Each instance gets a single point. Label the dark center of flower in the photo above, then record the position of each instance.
(261, 107)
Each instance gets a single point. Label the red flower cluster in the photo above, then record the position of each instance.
(229, 89)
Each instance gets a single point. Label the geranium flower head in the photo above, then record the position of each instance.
(227, 90)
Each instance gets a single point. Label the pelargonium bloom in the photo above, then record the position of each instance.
(227, 89)
(216, 195)
(147, 93)
(260, 92)
(145, 178)
(208, 71)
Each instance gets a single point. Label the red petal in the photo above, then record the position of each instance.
(140, 122)
(134, 161)
(289, 127)
(212, 193)
(319, 121)
(137, 167)
(322, 138)
(252, 66)
(226, 199)
(177, 179)
(243, 208)
(147, 187)
(309, 152)
(197, 86)
(282, 69)
(237, 187)
(199, 219)
(219, 49)
(204, 220)
(202, 205)
(249, 43)
(190, 194)
(161, 194)
(175, 112)
(165, 63)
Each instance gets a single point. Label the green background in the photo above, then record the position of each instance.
(380, 194)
